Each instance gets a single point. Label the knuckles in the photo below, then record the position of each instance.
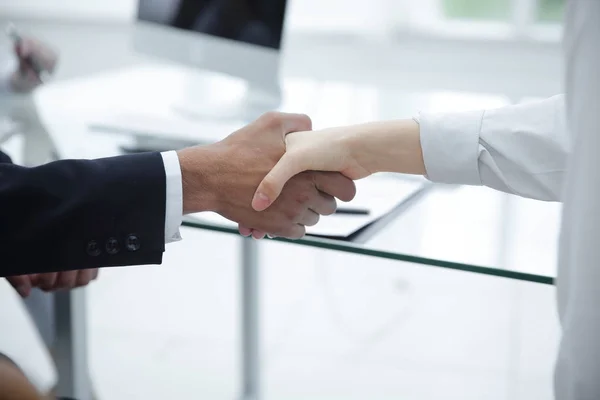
(275, 119)
(272, 119)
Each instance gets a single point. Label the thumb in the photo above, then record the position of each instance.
(21, 283)
(271, 186)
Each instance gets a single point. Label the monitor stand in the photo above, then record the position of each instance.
(207, 101)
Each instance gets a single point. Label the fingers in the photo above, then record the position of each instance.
(65, 280)
(296, 232)
(336, 185)
(47, 281)
(244, 231)
(85, 276)
(295, 123)
(287, 122)
(308, 218)
(271, 186)
(21, 283)
(324, 204)
(258, 235)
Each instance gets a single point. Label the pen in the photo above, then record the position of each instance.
(13, 33)
(135, 150)
(352, 211)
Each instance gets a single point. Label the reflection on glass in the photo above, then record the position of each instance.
(477, 9)
(550, 10)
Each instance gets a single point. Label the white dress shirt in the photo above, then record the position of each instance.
(578, 367)
(546, 150)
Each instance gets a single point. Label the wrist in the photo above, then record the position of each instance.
(389, 146)
(198, 178)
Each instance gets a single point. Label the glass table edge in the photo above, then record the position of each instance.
(349, 247)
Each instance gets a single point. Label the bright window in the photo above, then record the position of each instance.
(550, 10)
(494, 10)
(472, 19)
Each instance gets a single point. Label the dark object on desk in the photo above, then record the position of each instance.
(136, 149)
(352, 211)
(150, 145)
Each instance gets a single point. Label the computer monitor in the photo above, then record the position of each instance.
(239, 38)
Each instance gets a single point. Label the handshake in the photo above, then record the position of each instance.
(275, 177)
(250, 179)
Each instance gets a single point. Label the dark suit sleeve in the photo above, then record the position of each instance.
(5, 158)
(77, 214)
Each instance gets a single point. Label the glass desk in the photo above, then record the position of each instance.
(462, 228)
(481, 240)
(467, 229)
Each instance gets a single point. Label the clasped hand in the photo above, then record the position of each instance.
(233, 168)
(305, 150)
(279, 155)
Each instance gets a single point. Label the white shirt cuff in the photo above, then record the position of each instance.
(174, 196)
(450, 144)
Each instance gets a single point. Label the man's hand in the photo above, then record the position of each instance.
(50, 282)
(29, 51)
(223, 178)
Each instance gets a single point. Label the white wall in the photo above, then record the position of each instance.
(70, 9)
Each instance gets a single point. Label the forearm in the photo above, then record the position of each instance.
(390, 146)
(519, 149)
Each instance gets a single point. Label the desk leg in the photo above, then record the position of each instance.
(71, 345)
(250, 321)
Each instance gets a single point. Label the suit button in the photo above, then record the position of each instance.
(132, 243)
(112, 246)
(93, 249)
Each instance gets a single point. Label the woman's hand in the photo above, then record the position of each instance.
(325, 150)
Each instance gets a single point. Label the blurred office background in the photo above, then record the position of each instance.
(336, 325)
(334, 16)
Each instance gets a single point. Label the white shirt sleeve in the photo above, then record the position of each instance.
(174, 196)
(578, 283)
(520, 149)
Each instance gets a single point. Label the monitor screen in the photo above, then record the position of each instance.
(258, 22)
